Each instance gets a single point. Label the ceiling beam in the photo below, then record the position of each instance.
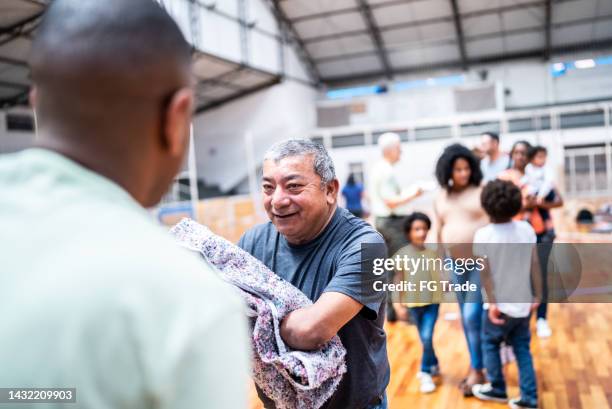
(307, 59)
(20, 24)
(459, 33)
(14, 85)
(377, 39)
(453, 41)
(424, 22)
(547, 29)
(491, 59)
(12, 61)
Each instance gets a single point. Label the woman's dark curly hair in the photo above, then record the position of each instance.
(444, 167)
(501, 200)
(413, 217)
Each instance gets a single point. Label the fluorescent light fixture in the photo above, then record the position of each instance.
(584, 64)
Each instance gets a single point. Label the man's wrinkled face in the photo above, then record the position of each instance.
(296, 203)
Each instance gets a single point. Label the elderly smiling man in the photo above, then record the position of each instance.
(316, 246)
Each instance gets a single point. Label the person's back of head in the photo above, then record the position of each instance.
(112, 90)
(501, 200)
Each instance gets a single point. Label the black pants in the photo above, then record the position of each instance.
(545, 243)
(392, 230)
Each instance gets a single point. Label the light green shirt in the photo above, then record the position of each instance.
(94, 295)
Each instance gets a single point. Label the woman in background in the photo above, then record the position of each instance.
(353, 193)
(459, 214)
(537, 213)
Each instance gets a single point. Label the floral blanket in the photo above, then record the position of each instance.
(292, 379)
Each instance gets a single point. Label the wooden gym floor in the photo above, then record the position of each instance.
(574, 366)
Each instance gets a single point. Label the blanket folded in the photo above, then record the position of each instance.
(292, 379)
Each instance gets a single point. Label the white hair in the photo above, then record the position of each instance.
(387, 140)
(323, 164)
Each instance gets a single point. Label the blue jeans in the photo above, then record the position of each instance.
(515, 332)
(470, 305)
(425, 319)
(382, 405)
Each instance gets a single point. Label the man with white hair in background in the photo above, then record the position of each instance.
(386, 195)
(386, 198)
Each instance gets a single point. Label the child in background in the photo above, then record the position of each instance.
(507, 281)
(538, 177)
(422, 306)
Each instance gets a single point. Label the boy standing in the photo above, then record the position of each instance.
(507, 282)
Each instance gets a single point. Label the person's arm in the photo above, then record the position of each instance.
(557, 202)
(487, 283)
(350, 292)
(311, 327)
(399, 200)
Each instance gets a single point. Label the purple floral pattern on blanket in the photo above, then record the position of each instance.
(292, 379)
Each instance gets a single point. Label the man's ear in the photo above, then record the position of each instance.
(331, 191)
(178, 121)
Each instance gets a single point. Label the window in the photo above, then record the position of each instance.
(582, 119)
(342, 141)
(529, 124)
(403, 134)
(478, 128)
(433, 133)
(356, 168)
(318, 139)
(586, 169)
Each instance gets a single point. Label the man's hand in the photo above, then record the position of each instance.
(311, 327)
(535, 304)
(495, 314)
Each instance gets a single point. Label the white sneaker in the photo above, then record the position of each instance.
(427, 383)
(542, 328)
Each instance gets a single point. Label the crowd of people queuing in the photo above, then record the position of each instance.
(494, 198)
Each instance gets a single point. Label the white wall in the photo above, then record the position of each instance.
(283, 111)
(529, 82)
(221, 36)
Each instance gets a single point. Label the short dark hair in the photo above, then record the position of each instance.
(492, 135)
(413, 217)
(444, 167)
(535, 150)
(501, 199)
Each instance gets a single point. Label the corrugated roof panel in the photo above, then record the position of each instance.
(342, 45)
(330, 25)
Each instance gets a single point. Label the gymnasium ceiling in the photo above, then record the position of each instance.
(357, 40)
(344, 41)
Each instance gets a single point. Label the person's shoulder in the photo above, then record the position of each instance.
(356, 230)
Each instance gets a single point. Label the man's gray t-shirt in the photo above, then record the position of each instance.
(332, 263)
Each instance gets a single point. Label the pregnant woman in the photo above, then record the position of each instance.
(459, 214)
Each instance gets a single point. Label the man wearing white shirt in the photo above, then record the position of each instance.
(385, 194)
(494, 161)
